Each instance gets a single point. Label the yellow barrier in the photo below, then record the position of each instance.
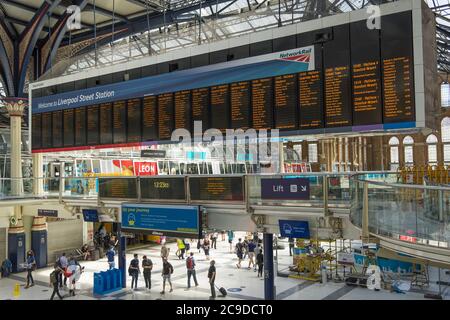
(16, 291)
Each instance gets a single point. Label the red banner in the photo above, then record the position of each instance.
(145, 168)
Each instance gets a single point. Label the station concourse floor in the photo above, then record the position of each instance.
(244, 283)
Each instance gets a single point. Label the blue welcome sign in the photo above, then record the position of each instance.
(90, 215)
(285, 189)
(294, 229)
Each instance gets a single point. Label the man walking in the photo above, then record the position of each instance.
(147, 265)
(190, 265)
(164, 252)
(214, 240)
(134, 271)
(167, 270)
(251, 254)
(63, 264)
(110, 254)
(31, 266)
(230, 239)
(212, 278)
(239, 252)
(54, 282)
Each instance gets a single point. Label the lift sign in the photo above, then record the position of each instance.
(285, 189)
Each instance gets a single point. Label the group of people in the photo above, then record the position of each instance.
(253, 250)
(67, 268)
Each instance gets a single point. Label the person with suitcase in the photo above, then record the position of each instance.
(212, 278)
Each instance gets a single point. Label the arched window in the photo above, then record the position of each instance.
(432, 149)
(393, 151)
(445, 95)
(408, 143)
(445, 134)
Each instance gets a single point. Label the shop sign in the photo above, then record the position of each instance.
(145, 168)
(153, 153)
(47, 213)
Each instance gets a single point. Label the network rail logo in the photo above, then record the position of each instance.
(302, 55)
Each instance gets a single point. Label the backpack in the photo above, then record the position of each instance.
(53, 278)
(171, 268)
(190, 263)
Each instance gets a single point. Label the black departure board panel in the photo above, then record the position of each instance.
(80, 126)
(310, 99)
(47, 130)
(200, 104)
(165, 115)
(262, 103)
(172, 188)
(240, 105)
(216, 188)
(120, 122)
(118, 188)
(285, 101)
(106, 123)
(57, 128)
(183, 110)
(134, 120)
(149, 129)
(93, 125)
(37, 131)
(69, 130)
(220, 111)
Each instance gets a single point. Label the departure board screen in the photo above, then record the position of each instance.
(47, 130)
(200, 103)
(120, 122)
(240, 105)
(93, 125)
(118, 188)
(57, 130)
(285, 103)
(216, 188)
(69, 131)
(134, 120)
(220, 110)
(80, 126)
(165, 115)
(310, 99)
(149, 130)
(262, 103)
(163, 188)
(106, 124)
(37, 131)
(183, 110)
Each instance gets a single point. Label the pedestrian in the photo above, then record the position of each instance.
(258, 249)
(167, 270)
(164, 252)
(187, 246)
(230, 239)
(73, 273)
(54, 282)
(63, 263)
(260, 262)
(147, 266)
(251, 254)
(134, 271)
(181, 248)
(199, 245)
(291, 245)
(73, 261)
(110, 255)
(239, 252)
(214, 240)
(212, 278)
(206, 247)
(245, 251)
(31, 266)
(222, 233)
(190, 266)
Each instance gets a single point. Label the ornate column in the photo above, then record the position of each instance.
(39, 241)
(16, 240)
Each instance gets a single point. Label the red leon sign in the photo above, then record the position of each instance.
(145, 168)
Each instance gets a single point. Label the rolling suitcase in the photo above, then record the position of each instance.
(222, 290)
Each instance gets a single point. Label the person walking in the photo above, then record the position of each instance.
(251, 254)
(181, 249)
(54, 282)
(110, 255)
(239, 252)
(206, 247)
(258, 249)
(214, 240)
(31, 266)
(291, 245)
(245, 251)
(260, 262)
(199, 245)
(134, 271)
(222, 233)
(230, 239)
(187, 246)
(190, 266)
(167, 270)
(63, 263)
(212, 278)
(147, 266)
(164, 252)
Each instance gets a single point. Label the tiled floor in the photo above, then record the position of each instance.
(244, 284)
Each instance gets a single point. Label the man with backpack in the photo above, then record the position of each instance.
(167, 270)
(239, 252)
(54, 282)
(190, 265)
(62, 263)
(134, 271)
(147, 265)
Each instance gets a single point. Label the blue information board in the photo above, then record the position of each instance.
(90, 215)
(294, 229)
(162, 220)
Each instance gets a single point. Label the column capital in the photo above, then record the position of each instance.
(15, 106)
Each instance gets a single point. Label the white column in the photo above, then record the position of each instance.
(38, 174)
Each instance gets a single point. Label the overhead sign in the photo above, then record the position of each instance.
(153, 153)
(47, 213)
(285, 189)
(294, 229)
(346, 258)
(90, 215)
(145, 168)
(162, 220)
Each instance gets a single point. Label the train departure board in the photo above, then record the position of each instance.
(47, 130)
(69, 131)
(165, 115)
(57, 128)
(310, 99)
(172, 188)
(134, 120)
(262, 103)
(216, 188)
(106, 124)
(183, 110)
(120, 121)
(149, 130)
(93, 125)
(37, 130)
(285, 101)
(337, 97)
(220, 110)
(240, 105)
(118, 188)
(200, 104)
(80, 126)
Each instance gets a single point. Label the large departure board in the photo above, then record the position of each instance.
(47, 130)
(310, 99)
(106, 124)
(216, 188)
(262, 103)
(134, 120)
(220, 111)
(57, 128)
(69, 131)
(118, 188)
(172, 188)
(285, 102)
(240, 105)
(93, 125)
(200, 104)
(37, 131)
(80, 126)
(165, 115)
(120, 121)
(183, 110)
(149, 129)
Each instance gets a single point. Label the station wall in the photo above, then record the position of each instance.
(64, 235)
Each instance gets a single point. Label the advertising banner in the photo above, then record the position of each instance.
(145, 168)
